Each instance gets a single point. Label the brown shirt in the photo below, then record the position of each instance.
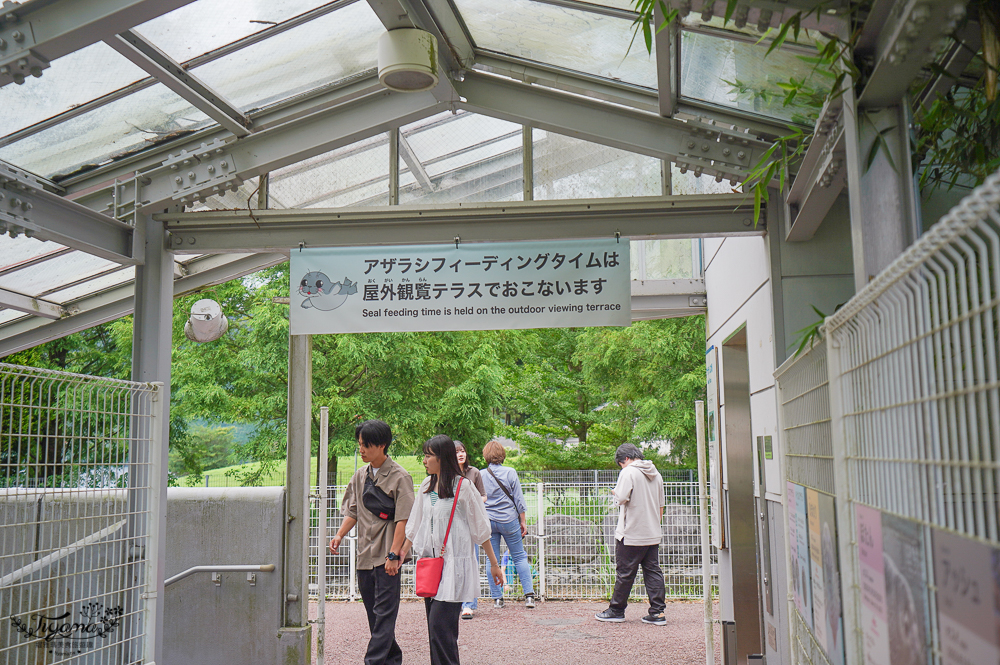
(476, 478)
(375, 535)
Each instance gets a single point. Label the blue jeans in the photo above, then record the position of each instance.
(511, 532)
(475, 602)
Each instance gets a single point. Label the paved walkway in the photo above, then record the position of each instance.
(554, 632)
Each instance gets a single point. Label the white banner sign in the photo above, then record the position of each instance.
(481, 286)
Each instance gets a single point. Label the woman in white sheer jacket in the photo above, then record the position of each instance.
(425, 531)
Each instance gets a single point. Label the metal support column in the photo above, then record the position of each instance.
(706, 550)
(882, 193)
(321, 482)
(540, 495)
(151, 345)
(528, 163)
(294, 636)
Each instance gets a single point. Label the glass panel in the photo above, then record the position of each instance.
(687, 183)
(92, 287)
(11, 314)
(568, 168)
(44, 276)
(357, 174)
(627, 5)
(560, 36)
(463, 157)
(322, 51)
(205, 25)
(133, 123)
(736, 74)
(72, 80)
(14, 251)
(669, 259)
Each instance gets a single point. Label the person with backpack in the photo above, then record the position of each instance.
(378, 500)
(506, 509)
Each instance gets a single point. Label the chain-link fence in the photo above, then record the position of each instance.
(570, 542)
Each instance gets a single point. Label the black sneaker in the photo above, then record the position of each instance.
(497, 603)
(611, 616)
(656, 619)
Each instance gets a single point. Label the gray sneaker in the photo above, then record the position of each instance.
(611, 616)
(529, 601)
(657, 619)
(497, 603)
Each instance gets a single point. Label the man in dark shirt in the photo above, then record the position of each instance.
(380, 538)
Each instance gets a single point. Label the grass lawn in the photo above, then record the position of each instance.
(345, 469)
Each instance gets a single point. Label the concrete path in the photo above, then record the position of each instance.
(554, 632)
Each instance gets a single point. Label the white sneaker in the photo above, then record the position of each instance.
(466, 612)
(529, 601)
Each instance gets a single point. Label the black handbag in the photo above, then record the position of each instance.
(378, 503)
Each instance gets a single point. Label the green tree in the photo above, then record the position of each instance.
(208, 448)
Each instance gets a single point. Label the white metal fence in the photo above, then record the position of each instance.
(910, 438)
(75, 494)
(570, 542)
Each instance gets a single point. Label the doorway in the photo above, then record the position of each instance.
(740, 505)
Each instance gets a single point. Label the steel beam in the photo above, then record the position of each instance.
(29, 305)
(115, 303)
(412, 162)
(638, 218)
(36, 33)
(27, 206)
(196, 171)
(912, 34)
(171, 74)
(667, 299)
(700, 147)
(668, 57)
(822, 174)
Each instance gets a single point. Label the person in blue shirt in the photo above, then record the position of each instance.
(506, 510)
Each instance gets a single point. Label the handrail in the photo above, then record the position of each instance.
(264, 568)
(62, 553)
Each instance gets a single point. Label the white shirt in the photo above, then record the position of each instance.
(460, 575)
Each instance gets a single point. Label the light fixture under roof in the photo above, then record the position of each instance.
(407, 60)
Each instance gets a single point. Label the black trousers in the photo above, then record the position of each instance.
(380, 593)
(442, 628)
(628, 559)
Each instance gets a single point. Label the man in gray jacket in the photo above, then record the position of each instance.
(639, 497)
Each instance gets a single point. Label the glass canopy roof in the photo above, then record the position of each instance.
(94, 107)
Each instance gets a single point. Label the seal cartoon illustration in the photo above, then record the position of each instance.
(322, 294)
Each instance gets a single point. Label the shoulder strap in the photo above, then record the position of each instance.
(505, 491)
(452, 516)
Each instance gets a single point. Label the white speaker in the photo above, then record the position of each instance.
(407, 60)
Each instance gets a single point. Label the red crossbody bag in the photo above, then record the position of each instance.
(428, 573)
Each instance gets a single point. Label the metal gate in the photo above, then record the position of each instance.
(78, 475)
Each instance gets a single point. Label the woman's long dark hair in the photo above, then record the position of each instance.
(461, 446)
(442, 447)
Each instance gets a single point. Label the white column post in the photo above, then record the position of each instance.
(706, 550)
(321, 482)
(540, 493)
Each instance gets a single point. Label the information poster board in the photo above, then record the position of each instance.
(816, 566)
(966, 573)
(714, 449)
(871, 568)
(832, 598)
(475, 286)
(904, 560)
(804, 600)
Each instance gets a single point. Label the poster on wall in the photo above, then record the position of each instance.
(816, 567)
(802, 548)
(798, 539)
(714, 449)
(966, 574)
(871, 571)
(833, 615)
(905, 590)
(475, 286)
